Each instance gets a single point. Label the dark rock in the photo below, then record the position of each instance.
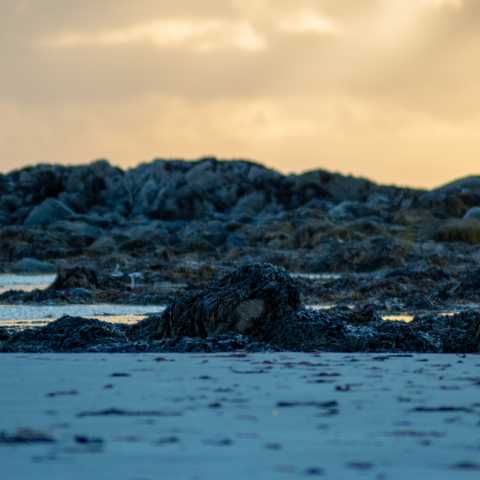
(371, 254)
(75, 276)
(103, 245)
(217, 344)
(310, 331)
(458, 333)
(247, 301)
(4, 335)
(453, 199)
(18, 242)
(463, 230)
(68, 334)
(47, 212)
(77, 234)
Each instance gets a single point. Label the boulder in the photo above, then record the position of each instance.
(32, 265)
(473, 214)
(247, 301)
(75, 276)
(351, 211)
(103, 245)
(47, 212)
(250, 204)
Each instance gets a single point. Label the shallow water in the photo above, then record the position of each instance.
(25, 316)
(25, 283)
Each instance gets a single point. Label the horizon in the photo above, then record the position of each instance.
(385, 90)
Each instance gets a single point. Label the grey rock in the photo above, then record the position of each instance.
(75, 276)
(250, 204)
(33, 265)
(473, 214)
(103, 245)
(350, 211)
(47, 212)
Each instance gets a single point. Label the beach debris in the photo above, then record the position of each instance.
(118, 412)
(25, 436)
(85, 440)
(62, 393)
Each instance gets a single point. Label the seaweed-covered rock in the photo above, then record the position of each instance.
(248, 301)
(386, 336)
(308, 331)
(302, 330)
(458, 333)
(218, 344)
(75, 276)
(345, 330)
(68, 334)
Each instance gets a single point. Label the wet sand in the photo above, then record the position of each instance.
(265, 416)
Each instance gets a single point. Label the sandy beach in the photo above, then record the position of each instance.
(258, 416)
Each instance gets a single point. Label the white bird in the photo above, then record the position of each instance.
(133, 277)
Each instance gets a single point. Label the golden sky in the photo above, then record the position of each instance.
(387, 89)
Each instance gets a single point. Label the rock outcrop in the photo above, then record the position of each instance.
(75, 276)
(248, 301)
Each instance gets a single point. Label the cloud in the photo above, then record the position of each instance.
(443, 3)
(198, 35)
(385, 88)
(308, 22)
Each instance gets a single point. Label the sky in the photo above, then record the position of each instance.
(386, 89)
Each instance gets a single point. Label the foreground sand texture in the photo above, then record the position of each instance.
(239, 416)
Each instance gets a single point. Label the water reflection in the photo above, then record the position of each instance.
(317, 276)
(25, 283)
(399, 318)
(23, 316)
